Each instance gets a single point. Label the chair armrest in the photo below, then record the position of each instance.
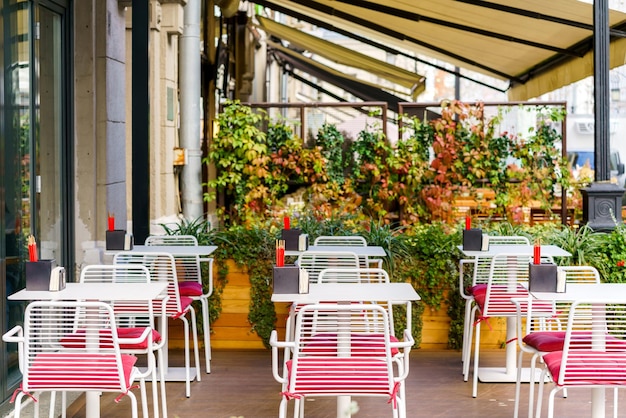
(403, 360)
(407, 341)
(210, 261)
(14, 335)
(275, 344)
(375, 262)
(462, 264)
(409, 312)
(146, 334)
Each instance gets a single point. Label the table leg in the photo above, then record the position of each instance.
(507, 374)
(343, 406)
(92, 404)
(598, 394)
(597, 402)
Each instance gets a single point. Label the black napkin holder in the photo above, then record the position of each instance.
(118, 239)
(542, 277)
(291, 238)
(472, 239)
(287, 279)
(38, 274)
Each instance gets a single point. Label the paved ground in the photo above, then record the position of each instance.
(241, 385)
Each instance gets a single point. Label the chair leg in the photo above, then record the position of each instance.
(476, 356)
(144, 398)
(155, 396)
(518, 384)
(542, 379)
(466, 330)
(52, 405)
(18, 405)
(282, 409)
(187, 365)
(133, 402)
(471, 330)
(551, 403)
(162, 383)
(196, 347)
(207, 334)
(63, 404)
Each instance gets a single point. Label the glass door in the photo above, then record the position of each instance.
(50, 154)
(15, 145)
(36, 151)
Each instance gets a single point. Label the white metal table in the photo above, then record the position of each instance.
(361, 251)
(350, 292)
(177, 250)
(100, 292)
(597, 294)
(174, 374)
(508, 373)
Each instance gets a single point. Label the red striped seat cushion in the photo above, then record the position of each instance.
(588, 367)
(77, 370)
(190, 289)
(77, 339)
(336, 376)
(548, 341)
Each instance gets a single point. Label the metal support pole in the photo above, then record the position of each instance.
(190, 111)
(141, 121)
(601, 89)
(602, 208)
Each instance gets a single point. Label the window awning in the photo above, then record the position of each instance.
(342, 55)
(369, 92)
(535, 45)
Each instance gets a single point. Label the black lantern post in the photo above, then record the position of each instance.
(602, 200)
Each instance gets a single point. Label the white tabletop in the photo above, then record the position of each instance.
(551, 250)
(97, 291)
(175, 250)
(361, 251)
(348, 292)
(587, 292)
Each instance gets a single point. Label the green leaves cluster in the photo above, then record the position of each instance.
(258, 161)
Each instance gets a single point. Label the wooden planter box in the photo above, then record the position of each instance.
(233, 331)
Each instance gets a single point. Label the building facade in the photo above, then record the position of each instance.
(65, 133)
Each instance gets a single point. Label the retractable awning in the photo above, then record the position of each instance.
(369, 92)
(342, 55)
(535, 45)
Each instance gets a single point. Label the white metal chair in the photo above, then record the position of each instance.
(348, 241)
(365, 275)
(542, 335)
(191, 283)
(315, 261)
(133, 317)
(593, 354)
(162, 267)
(342, 350)
(479, 278)
(507, 273)
(51, 360)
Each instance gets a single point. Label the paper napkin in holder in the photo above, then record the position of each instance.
(303, 242)
(57, 279)
(544, 277)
